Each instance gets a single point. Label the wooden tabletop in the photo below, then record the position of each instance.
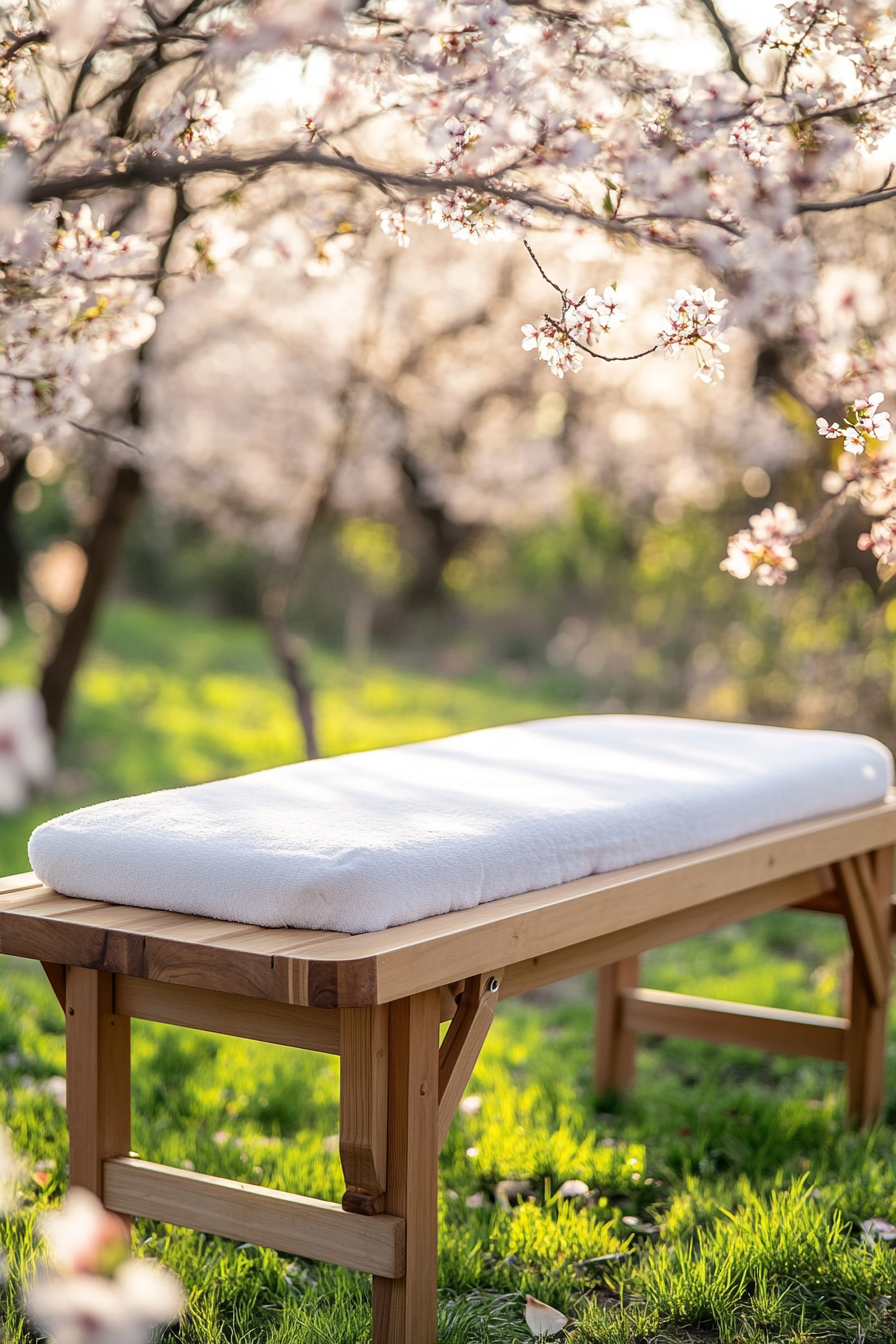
(329, 970)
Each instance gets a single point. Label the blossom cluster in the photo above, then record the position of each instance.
(866, 473)
(693, 321)
(763, 549)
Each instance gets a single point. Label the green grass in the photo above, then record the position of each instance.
(727, 1182)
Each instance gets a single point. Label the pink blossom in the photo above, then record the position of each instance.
(881, 540)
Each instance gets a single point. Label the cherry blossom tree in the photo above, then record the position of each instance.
(146, 142)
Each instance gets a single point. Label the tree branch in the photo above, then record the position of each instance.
(595, 354)
(849, 203)
(541, 271)
(105, 434)
(724, 33)
(37, 38)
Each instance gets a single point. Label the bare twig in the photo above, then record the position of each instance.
(541, 271)
(595, 354)
(105, 434)
(724, 33)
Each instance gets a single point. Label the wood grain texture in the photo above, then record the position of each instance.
(228, 1014)
(404, 1310)
(18, 882)
(291, 1223)
(685, 923)
(463, 1041)
(775, 1029)
(363, 1106)
(98, 1074)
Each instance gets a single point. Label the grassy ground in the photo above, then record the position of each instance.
(727, 1184)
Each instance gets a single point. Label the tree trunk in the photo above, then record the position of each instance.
(10, 556)
(102, 553)
(290, 655)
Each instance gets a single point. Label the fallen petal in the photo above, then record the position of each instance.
(543, 1320)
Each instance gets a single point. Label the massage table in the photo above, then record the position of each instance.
(377, 998)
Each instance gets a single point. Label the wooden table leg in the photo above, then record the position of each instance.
(866, 883)
(405, 1310)
(363, 1106)
(98, 1077)
(614, 1046)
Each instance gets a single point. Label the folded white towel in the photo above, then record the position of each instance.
(363, 842)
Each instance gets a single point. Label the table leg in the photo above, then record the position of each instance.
(867, 883)
(98, 1077)
(405, 1310)
(614, 1046)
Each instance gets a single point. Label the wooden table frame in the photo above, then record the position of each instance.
(377, 1000)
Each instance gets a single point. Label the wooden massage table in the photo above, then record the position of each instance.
(377, 1000)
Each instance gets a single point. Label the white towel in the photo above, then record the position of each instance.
(367, 841)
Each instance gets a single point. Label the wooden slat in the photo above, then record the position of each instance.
(18, 882)
(641, 937)
(295, 1224)
(98, 1070)
(463, 1042)
(363, 1105)
(228, 1014)
(716, 1020)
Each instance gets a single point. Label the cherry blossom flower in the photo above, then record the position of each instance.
(692, 321)
(880, 539)
(93, 1292)
(865, 425)
(763, 549)
(593, 315)
(554, 345)
(188, 127)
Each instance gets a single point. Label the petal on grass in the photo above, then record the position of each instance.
(543, 1320)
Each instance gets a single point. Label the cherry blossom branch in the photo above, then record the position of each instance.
(37, 38)
(724, 33)
(850, 203)
(541, 271)
(167, 172)
(595, 354)
(794, 53)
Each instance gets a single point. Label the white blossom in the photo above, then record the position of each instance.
(554, 345)
(692, 321)
(764, 548)
(188, 127)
